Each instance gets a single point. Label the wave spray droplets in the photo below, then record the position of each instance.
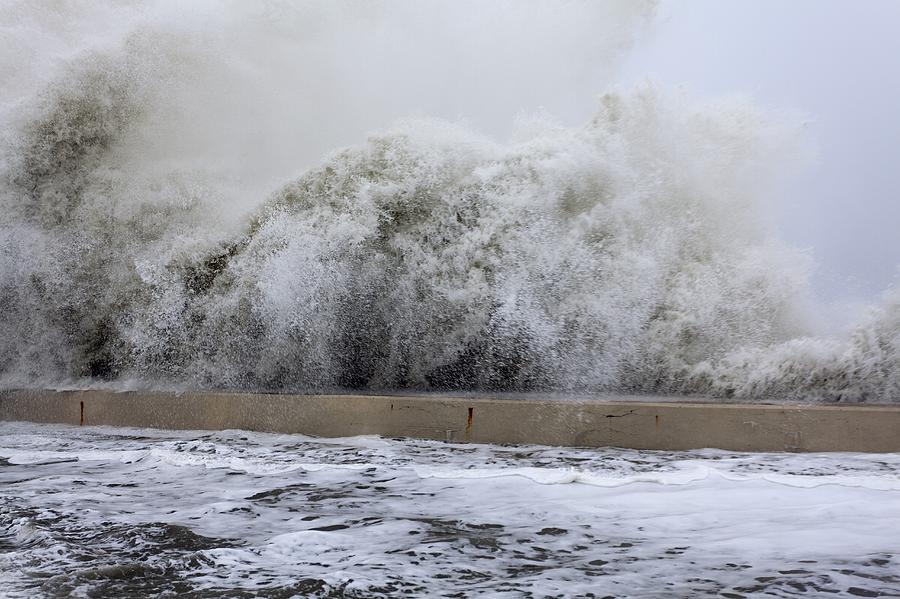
(627, 254)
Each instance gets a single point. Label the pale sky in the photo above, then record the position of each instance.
(838, 63)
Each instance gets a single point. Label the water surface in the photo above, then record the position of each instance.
(98, 512)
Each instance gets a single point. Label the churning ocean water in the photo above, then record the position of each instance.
(103, 512)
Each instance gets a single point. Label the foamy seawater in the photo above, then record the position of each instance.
(97, 512)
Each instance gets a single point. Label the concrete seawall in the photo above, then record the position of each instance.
(618, 422)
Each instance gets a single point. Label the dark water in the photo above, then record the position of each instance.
(96, 512)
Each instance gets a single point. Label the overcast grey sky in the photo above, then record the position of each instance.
(838, 63)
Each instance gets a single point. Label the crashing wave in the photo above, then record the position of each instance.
(630, 254)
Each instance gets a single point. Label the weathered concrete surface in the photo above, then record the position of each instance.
(585, 422)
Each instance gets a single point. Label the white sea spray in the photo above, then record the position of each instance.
(629, 254)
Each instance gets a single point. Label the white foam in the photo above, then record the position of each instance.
(44, 456)
(501, 521)
(563, 476)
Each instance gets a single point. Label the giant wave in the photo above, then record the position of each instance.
(629, 254)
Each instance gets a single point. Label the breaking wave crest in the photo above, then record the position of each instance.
(630, 254)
